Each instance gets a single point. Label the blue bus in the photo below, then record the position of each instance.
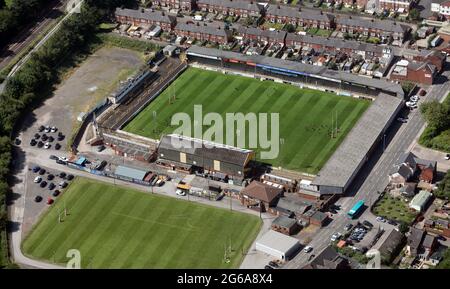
(356, 209)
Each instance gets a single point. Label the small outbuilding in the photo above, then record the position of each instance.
(285, 225)
(278, 245)
(420, 200)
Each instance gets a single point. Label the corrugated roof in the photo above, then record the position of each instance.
(202, 148)
(311, 70)
(420, 199)
(130, 172)
(340, 168)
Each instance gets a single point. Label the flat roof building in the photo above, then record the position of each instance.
(130, 173)
(278, 245)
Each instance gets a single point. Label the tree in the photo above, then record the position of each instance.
(403, 227)
(289, 28)
(443, 190)
(414, 14)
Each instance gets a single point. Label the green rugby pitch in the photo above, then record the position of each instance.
(118, 227)
(305, 114)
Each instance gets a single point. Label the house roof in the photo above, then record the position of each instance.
(327, 259)
(415, 237)
(233, 4)
(295, 206)
(383, 25)
(336, 43)
(428, 241)
(310, 70)
(262, 33)
(205, 149)
(390, 242)
(284, 222)
(343, 164)
(307, 14)
(405, 171)
(262, 192)
(211, 30)
(152, 15)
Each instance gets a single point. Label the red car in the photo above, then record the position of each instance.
(49, 201)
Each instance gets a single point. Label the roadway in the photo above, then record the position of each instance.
(366, 187)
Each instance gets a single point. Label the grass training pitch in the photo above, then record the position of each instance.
(306, 115)
(117, 227)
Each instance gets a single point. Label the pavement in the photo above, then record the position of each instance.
(374, 177)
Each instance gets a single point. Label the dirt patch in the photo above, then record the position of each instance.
(83, 88)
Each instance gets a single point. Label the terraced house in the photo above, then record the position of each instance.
(372, 28)
(183, 5)
(204, 32)
(231, 7)
(252, 33)
(144, 16)
(307, 18)
(401, 6)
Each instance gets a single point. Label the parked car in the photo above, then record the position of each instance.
(380, 219)
(38, 199)
(51, 186)
(348, 227)
(37, 179)
(180, 193)
(307, 249)
(367, 224)
(392, 222)
(273, 264)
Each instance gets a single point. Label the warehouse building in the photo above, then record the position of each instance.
(278, 245)
(221, 162)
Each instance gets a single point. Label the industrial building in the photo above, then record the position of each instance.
(278, 245)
